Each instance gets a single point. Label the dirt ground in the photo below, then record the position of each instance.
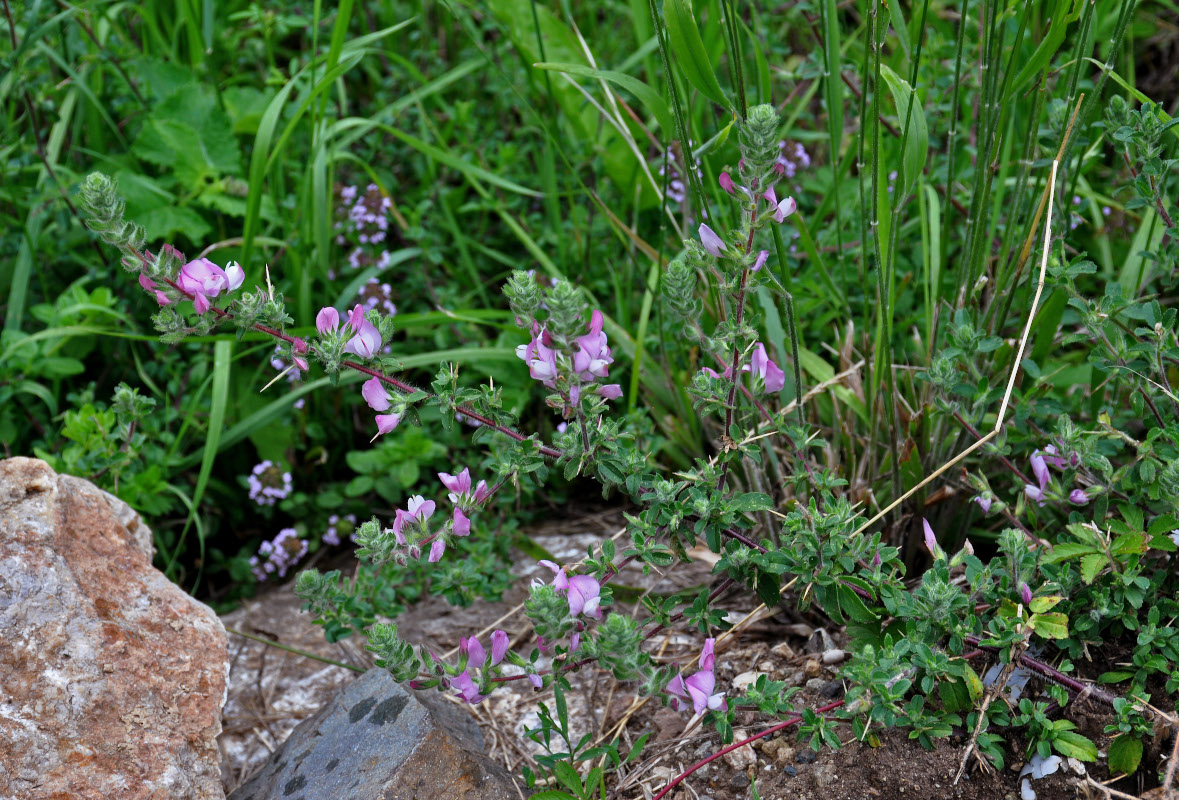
(272, 690)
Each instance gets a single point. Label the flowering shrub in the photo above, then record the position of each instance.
(1074, 549)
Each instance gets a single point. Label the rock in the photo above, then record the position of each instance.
(113, 677)
(834, 656)
(378, 741)
(745, 680)
(812, 668)
(806, 756)
(782, 650)
(832, 689)
(743, 757)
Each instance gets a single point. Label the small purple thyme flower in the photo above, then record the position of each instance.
(280, 554)
(268, 483)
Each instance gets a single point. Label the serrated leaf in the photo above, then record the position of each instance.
(1050, 626)
(165, 222)
(1066, 550)
(1125, 754)
(688, 48)
(917, 145)
(191, 134)
(1129, 543)
(1074, 745)
(1091, 565)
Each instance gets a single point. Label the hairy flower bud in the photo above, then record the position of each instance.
(758, 138)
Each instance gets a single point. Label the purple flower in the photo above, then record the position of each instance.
(574, 642)
(700, 688)
(584, 591)
(761, 260)
(931, 540)
(561, 580)
(592, 358)
(710, 372)
(540, 358)
(474, 652)
(536, 681)
(1040, 470)
(149, 285)
(499, 646)
(268, 483)
(327, 320)
(1078, 497)
(375, 394)
(761, 367)
(784, 209)
(235, 274)
(726, 182)
(437, 550)
(610, 391)
(712, 243)
(462, 525)
(1025, 593)
(1050, 456)
(984, 500)
(467, 689)
(421, 508)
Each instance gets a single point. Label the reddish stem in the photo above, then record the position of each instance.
(1053, 674)
(768, 731)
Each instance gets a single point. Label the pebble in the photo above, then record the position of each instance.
(807, 756)
(812, 668)
(834, 655)
(832, 689)
(745, 680)
(783, 650)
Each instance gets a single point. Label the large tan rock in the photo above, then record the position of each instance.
(111, 677)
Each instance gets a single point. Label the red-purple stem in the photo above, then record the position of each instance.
(767, 732)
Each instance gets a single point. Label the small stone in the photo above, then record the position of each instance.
(819, 642)
(815, 684)
(739, 781)
(743, 757)
(832, 689)
(791, 771)
(785, 754)
(783, 650)
(834, 656)
(766, 666)
(807, 756)
(381, 736)
(812, 668)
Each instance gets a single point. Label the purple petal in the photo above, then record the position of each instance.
(374, 393)
(499, 646)
(712, 243)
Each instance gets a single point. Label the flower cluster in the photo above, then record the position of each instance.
(379, 295)
(700, 689)
(790, 158)
(582, 591)
(473, 656)
(587, 360)
(332, 535)
(268, 483)
(200, 279)
(363, 220)
(670, 165)
(279, 555)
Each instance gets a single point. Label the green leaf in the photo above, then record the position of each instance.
(917, 144)
(689, 51)
(551, 794)
(752, 502)
(1057, 28)
(955, 696)
(1050, 626)
(1066, 550)
(646, 95)
(1125, 754)
(1116, 676)
(854, 607)
(1129, 543)
(1074, 745)
(1041, 604)
(1091, 565)
(190, 133)
(164, 222)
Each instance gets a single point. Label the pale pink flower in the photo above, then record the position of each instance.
(592, 357)
(374, 393)
(712, 243)
(327, 320)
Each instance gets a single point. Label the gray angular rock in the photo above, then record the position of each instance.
(111, 677)
(378, 741)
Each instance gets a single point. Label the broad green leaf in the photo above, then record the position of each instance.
(1116, 676)
(1041, 604)
(164, 222)
(190, 133)
(1129, 543)
(852, 605)
(1125, 754)
(646, 95)
(688, 48)
(955, 696)
(1050, 626)
(974, 684)
(917, 144)
(1074, 745)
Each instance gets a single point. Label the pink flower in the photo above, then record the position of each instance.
(367, 340)
(761, 260)
(592, 357)
(610, 391)
(1025, 594)
(561, 580)
(457, 484)
(712, 243)
(375, 394)
(462, 525)
(700, 688)
(784, 209)
(1049, 456)
(726, 182)
(574, 642)
(710, 372)
(984, 501)
(437, 550)
(149, 285)
(467, 689)
(1078, 497)
(327, 320)
(202, 279)
(541, 359)
(482, 492)
(499, 646)
(235, 274)
(584, 591)
(386, 423)
(474, 651)
(760, 365)
(421, 508)
(536, 681)
(1040, 470)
